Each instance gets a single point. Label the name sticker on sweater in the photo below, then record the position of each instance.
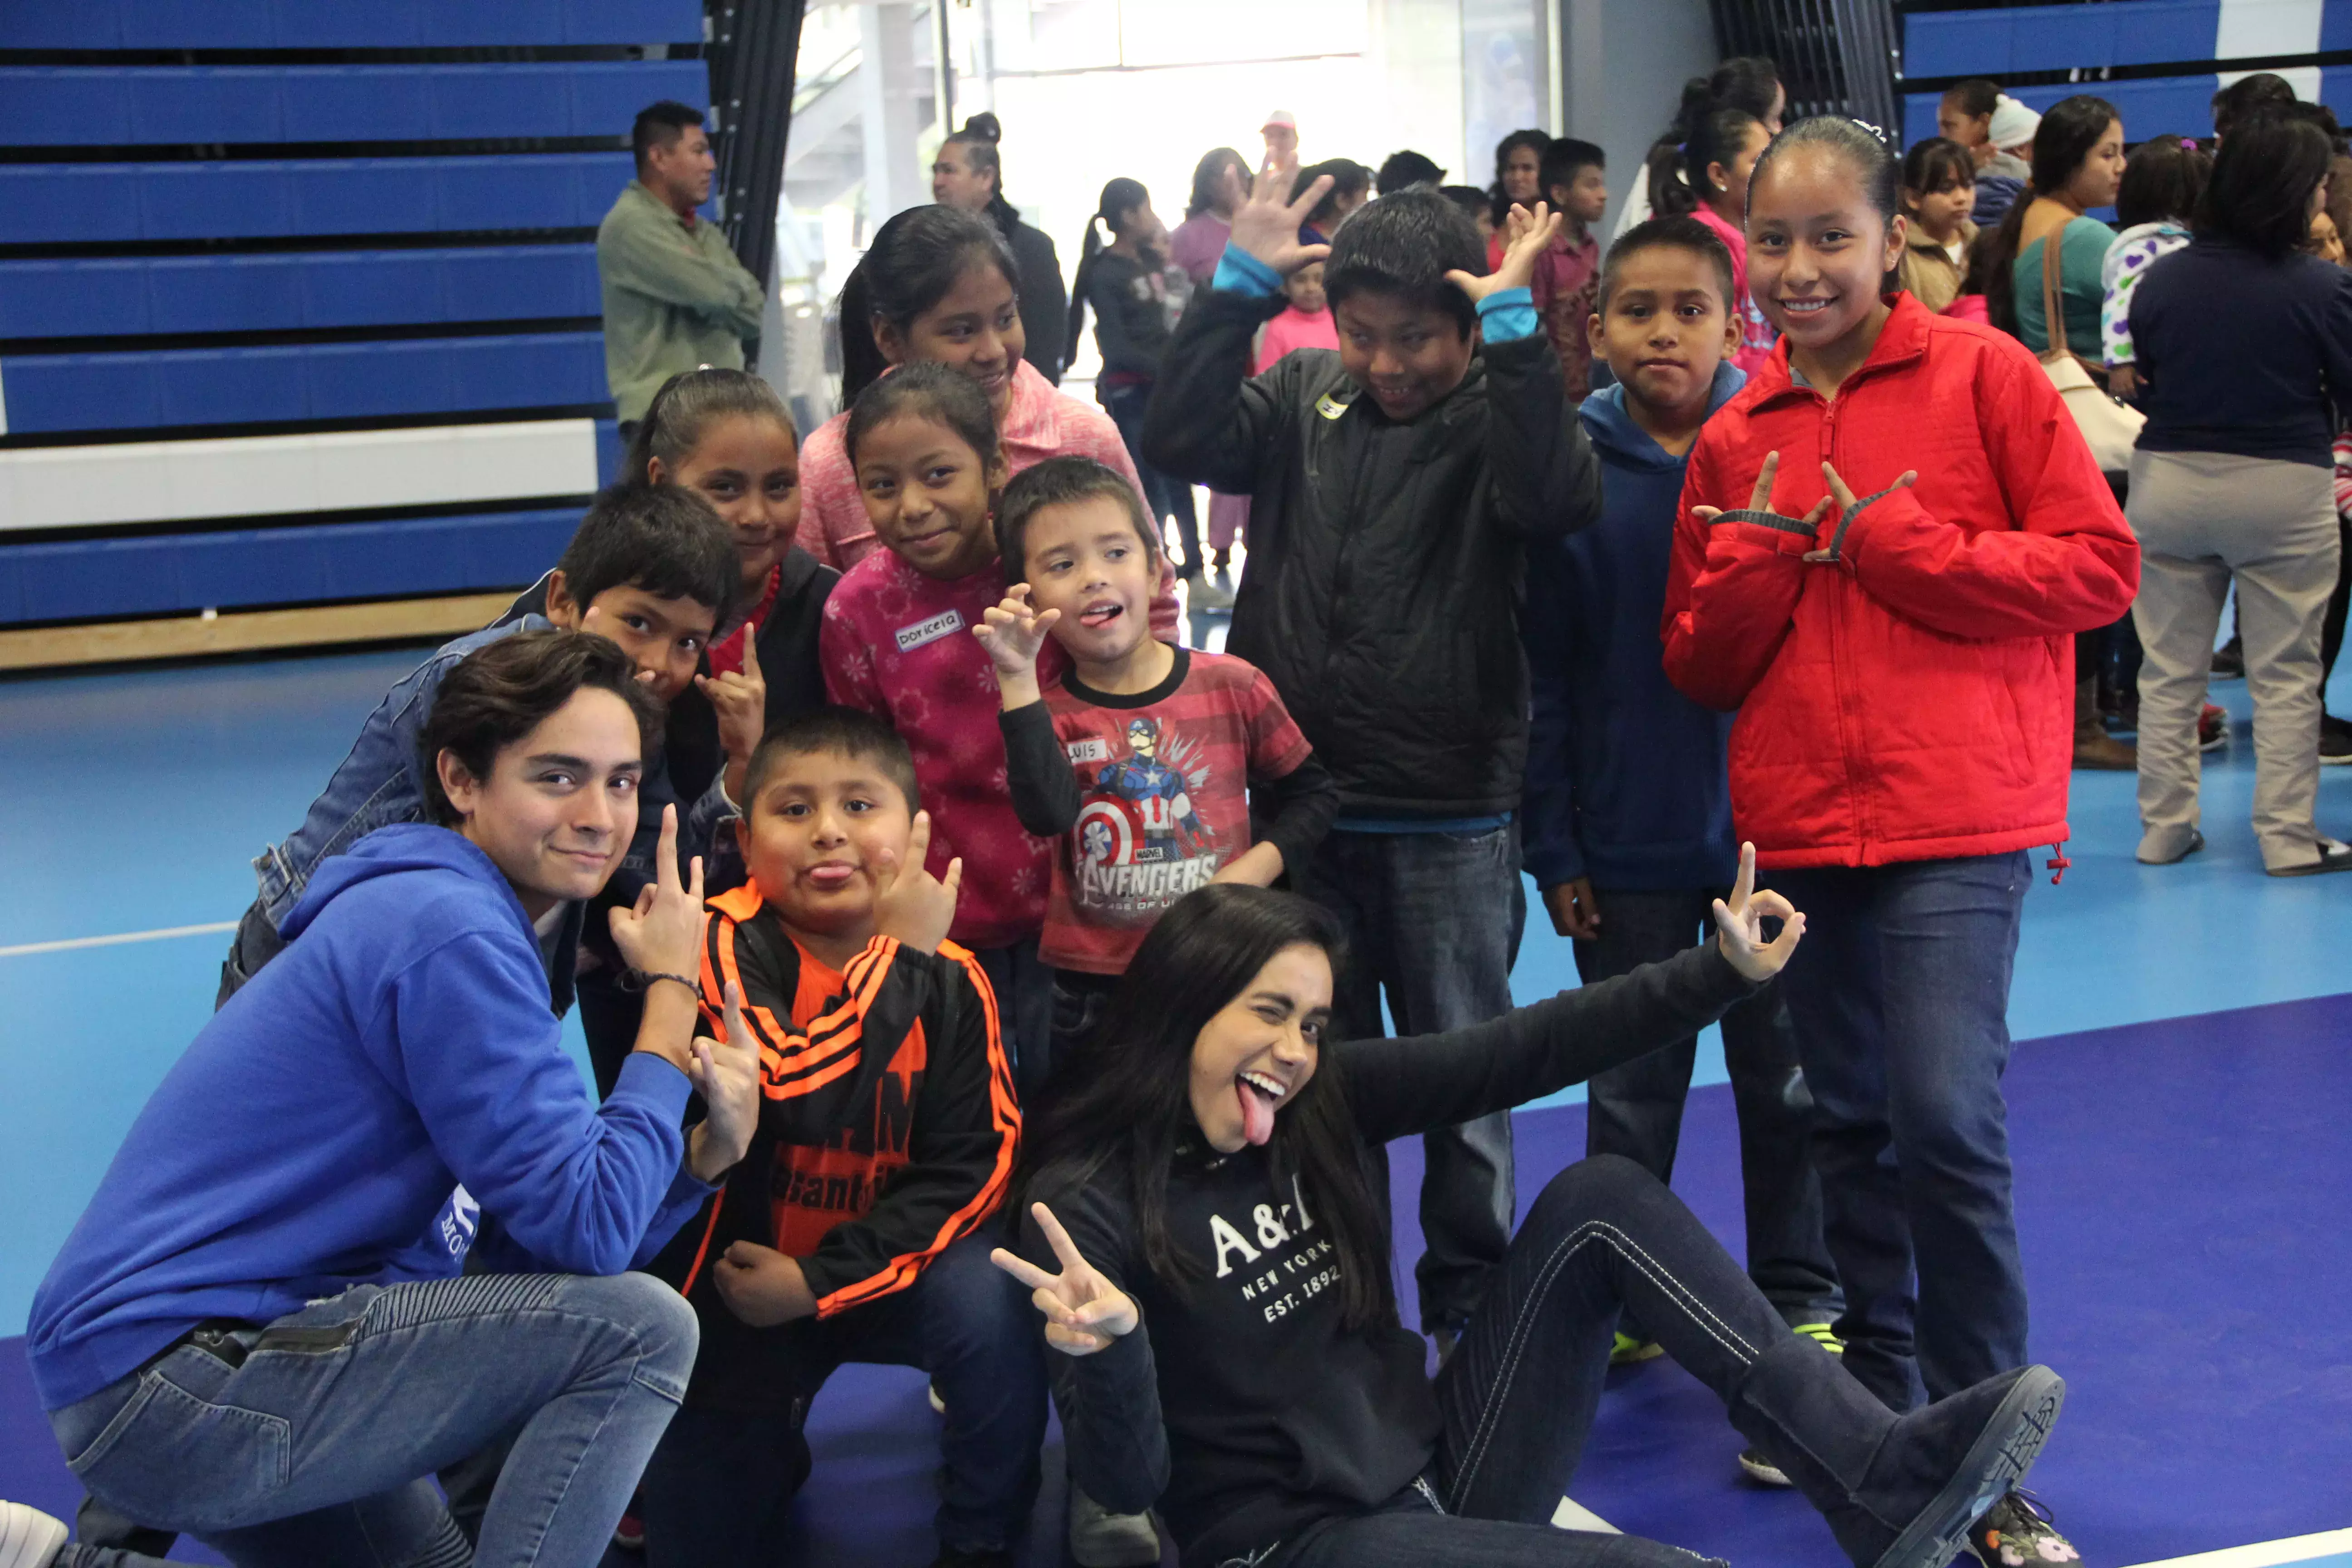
(946, 623)
(1094, 749)
(1329, 406)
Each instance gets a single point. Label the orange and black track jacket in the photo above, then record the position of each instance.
(888, 1128)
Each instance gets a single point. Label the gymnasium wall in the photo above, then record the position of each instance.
(297, 297)
(2158, 61)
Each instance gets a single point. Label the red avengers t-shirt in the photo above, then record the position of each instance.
(1163, 798)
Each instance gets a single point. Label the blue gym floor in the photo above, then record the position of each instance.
(2177, 1113)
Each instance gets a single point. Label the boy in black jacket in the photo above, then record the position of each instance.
(851, 1231)
(1395, 486)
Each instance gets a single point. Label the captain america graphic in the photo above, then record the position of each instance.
(1161, 795)
(1140, 843)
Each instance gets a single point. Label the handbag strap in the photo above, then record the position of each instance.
(2053, 310)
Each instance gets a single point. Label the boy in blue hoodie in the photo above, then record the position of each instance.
(1628, 795)
(258, 1333)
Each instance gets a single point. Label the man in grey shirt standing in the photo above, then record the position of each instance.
(675, 296)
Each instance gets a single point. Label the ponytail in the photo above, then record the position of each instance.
(1119, 195)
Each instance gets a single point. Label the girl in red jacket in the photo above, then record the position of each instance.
(1888, 540)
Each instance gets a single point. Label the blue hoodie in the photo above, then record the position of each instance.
(349, 1113)
(1628, 781)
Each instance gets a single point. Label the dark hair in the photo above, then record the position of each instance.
(504, 689)
(1205, 174)
(1974, 96)
(1061, 481)
(914, 259)
(685, 407)
(1564, 158)
(663, 539)
(978, 138)
(1404, 168)
(2260, 196)
(1469, 199)
(1748, 82)
(1348, 178)
(1118, 196)
(1935, 162)
(1668, 234)
(1720, 133)
(1404, 244)
(658, 125)
(1873, 162)
(2248, 94)
(1123, 1102)
(927, 391)
(2070, 129)
(2320, 114)
(2163, 179)
(1499, 206)
(832, 731)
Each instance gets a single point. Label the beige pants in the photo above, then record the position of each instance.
(2205, 519)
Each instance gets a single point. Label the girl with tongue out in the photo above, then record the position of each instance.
(1206, 1242)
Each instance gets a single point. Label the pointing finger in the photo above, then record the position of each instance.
(1745, 883)
(1762, 501)
(1059, 1241)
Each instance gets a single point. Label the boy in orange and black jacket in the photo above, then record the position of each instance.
(854, 1228)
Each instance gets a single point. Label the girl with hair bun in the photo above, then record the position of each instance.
(1751, 83)
(970, 173)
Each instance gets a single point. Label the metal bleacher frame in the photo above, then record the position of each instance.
(2158, 61)
(299, 315)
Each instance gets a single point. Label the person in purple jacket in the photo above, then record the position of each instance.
(260, 1334)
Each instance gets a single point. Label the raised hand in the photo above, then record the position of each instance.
(1760, 497)
(663, 934)
(1012, 632)
(1083, 1312)
(740, 699)
(726, 1073)
(910, 903)
(1266, 226)
(761, 1286)
(1525, 238)
(1739, 924)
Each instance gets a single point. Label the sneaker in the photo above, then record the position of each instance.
(1627, 1351)
(1762, 1470)
(2017, 1532)
(28, 1538)
(2334, 741)
(1821, 1335)
(2335, 854)
(1445, 1339)
(2193, 843)
(939, 1406)
(629, 1535)
(2230, 661)
(1101, 1539)
(1206, 597)
(2212, 728)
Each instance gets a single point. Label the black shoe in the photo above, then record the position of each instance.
(2230, 661)
(1944, 1466)
(2334, 856)
(2334, 741)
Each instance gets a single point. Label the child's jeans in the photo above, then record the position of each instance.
(1024, 984)
(1079, 998)
(313, 1439)
(1900, 994)
(1433, 921)
(720, 1485)
(1636, 1108)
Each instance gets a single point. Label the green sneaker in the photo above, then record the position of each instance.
(1821, 1335)
(1628, 1350)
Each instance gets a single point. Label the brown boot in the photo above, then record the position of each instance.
(2094, 747)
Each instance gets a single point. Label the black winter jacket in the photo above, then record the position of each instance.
(1044, 300)
(1386, 561)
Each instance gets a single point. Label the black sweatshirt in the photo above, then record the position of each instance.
(1131, 304)
(1242, 1406)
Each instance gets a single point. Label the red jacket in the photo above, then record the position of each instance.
(1914, 699)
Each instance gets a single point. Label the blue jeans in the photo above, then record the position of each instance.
(1900, 993)
(1170, 496)
(1433, 921)
(1024, 984)
(1636, 1108)
(313, 1439)
(720, 1484)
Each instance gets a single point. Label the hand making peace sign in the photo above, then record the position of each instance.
(1083, 1312)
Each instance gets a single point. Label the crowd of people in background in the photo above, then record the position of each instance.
(978, 978)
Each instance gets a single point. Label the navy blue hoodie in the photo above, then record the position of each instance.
(1628, 781)
(344, 1119)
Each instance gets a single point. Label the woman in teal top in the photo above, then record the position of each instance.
(2078, 161)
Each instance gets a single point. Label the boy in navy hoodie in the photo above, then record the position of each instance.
(259, 1333)
(1628, 795)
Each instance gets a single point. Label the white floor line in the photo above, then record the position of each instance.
(25, 948)
(1573, 1515)
(2267, 1553)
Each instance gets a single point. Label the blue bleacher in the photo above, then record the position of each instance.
(269, 198)
(175, 574)
(50, 393)
(342, 24)
(122, 297)
(113, 105)
(2150, 106)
